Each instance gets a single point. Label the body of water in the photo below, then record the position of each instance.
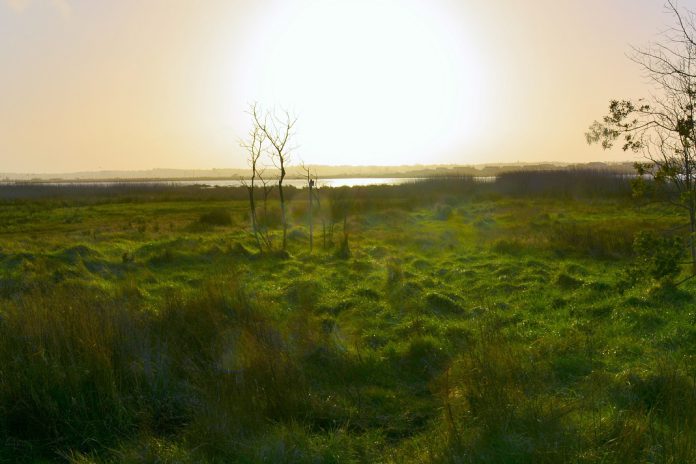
(347, 182)
(299, 183)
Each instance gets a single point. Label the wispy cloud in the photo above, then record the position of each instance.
(17, 5)
(61, 6)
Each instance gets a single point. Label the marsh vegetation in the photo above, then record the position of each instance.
(510, 321)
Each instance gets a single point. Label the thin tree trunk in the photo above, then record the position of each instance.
(282, 206)
(311, 222)
(254, 222)
(692, 208)
(692, 230)
(345, 228)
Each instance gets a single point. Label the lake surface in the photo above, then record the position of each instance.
(300, 183)
(347, 182)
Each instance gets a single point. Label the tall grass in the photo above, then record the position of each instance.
(82, 371)
(504, 401)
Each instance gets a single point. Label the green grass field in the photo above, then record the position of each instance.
(462, 328)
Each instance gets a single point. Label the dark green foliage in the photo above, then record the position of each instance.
(601, 241)
(239, 250)
(443, 212)
(424, 357)
(508, 246)
(343, 251)
(566, 183)
(567, 282)
(217, 217)
(658, 256)
(442, 303)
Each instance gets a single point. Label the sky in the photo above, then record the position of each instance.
(141, 84)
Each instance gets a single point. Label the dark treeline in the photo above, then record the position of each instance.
(565, 183)
(120, 192)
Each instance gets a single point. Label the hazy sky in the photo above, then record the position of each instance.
(139, 84)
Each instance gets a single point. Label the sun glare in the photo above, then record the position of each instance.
(372, 82)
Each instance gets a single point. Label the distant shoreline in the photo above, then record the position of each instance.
(295, 173)
(141, 180)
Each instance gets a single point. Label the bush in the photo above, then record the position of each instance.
(216, 217)
(658, 256)
(599, 240)
(443, 212)
(508, 246)
(269, 217)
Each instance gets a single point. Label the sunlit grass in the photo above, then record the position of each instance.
(462, 328)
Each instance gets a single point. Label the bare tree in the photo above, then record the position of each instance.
(278, 131)
(255, 148)
(662, 127)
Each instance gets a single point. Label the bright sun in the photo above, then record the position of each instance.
(371, 81)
